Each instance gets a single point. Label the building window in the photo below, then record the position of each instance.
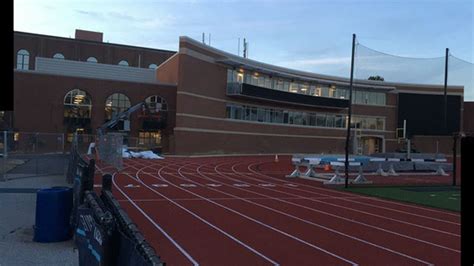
(58, 56)
(77, 104)
(115, 104)
(156, 104)
(92, 59)
(153, 66)
(123, 63)
(332, 91)
(294, 87)
(23, 60)
(267, 115)
(149, 139)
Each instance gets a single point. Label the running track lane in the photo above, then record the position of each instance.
(286, 251)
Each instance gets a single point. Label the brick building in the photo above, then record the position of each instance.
(211, 101)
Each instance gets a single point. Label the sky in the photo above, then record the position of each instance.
(310, 35)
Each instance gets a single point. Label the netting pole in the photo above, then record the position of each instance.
(346, 164)
(446, 91)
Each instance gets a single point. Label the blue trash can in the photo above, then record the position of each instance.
(53, 211)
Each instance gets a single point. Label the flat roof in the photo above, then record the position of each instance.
(92, 42)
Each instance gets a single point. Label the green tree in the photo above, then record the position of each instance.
(379, 78)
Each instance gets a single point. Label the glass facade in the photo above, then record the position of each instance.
(281, 116)
(360, 96)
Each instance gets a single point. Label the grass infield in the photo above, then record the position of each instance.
(442, 197)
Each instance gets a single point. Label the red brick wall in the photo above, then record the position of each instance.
(39, 101)
(80, 50)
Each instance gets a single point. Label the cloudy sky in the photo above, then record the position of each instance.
(303, 34)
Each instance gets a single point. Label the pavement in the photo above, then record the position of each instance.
(17, 218)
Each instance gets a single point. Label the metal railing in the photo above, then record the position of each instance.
(31, 154)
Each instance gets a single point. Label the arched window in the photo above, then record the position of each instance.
(123, 63)
(153, 66)
(23, 59)
(92, 59)
(58, 56)
(115, 104)
(155, 104)
(77, 104)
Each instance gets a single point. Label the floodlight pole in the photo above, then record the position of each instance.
(446, 91)
(346, 164)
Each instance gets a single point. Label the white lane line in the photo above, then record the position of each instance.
(350, 220)
(369, 204)
(187, 185)
(318, 225)
(199, 217)
(214, 185)
(259, 222)
(370, 198)
(241, 185)
(181, 249)
(160, 185)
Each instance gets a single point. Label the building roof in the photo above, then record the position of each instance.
(249, 64)
(90, 42)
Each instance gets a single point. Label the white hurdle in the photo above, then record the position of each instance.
(360, 179)
(296, 162)
(336, 178)
(391, 170)
(441, 171)
(311, 163)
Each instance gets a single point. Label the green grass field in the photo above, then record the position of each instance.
(442, 197)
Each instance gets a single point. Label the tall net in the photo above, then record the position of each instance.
(428, 71)
(418, 121)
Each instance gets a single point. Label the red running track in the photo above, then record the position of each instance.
(225, 211)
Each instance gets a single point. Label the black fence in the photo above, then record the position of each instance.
(103, 232)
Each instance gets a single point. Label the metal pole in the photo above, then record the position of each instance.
(5, 144)
(63, 144)
(454, 158)
(350, 113)
(445, 120)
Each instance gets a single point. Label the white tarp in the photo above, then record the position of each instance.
(142, 154)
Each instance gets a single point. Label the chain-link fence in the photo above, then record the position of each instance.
(29, 154)
(110, 149)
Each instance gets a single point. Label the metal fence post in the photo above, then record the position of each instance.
(4, 156)
(63, 144)
(5, 144)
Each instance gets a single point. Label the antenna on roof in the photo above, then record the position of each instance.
(209, 39)
(203, 38)
(245, 48)
(238, 47)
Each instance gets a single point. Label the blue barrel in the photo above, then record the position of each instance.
(53, 211)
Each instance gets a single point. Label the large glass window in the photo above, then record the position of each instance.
(373, 123)
(156, 104)
(92, 59)
(23, 59)
(149, 139)
(123, 63)
(77, 104)
(58, 56)
(115, 104)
